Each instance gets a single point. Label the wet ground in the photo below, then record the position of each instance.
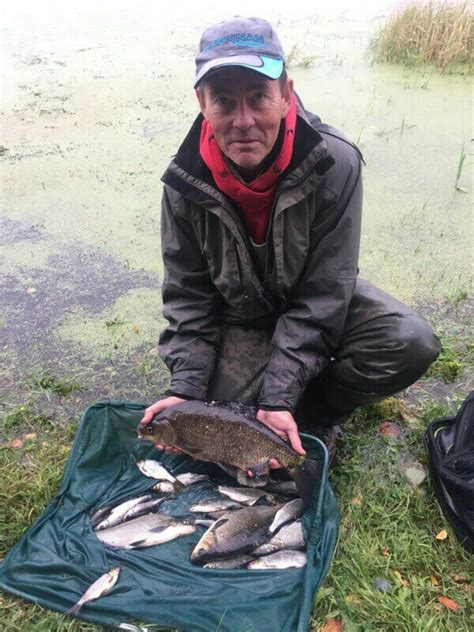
(96, 101)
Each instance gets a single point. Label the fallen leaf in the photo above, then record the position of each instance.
(357, 500)
(460, 579)
(332, 625)
(352, 599)
(400, 579)
(136, 329)
(389, 429)
(442, 535)
(448, 603)
(434, 581)
(16, 443)
(414, 472)
(386, 551)
(409, 415)
(30, 436)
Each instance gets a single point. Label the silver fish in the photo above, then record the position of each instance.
(235, 532)
(244, 495)
(143, 508)
(153, 469)
(290, 511)
(118, 513)
(214, 505)
(165, 487)
(99, 588)
(283, 488)
(239, 561)
(290, 536)
(153, 528)
(99, 515)
(281, 559)
(174, 530)
(189, 478)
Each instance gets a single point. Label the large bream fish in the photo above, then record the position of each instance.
(230, 435)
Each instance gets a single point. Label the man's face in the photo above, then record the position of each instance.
(244, 110)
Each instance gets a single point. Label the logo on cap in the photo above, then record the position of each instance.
(239, 39)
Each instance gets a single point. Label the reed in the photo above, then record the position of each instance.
(440, 33)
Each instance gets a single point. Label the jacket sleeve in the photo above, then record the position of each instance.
(307, 334)
(190, 305)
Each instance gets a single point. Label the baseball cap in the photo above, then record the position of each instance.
(248, 42)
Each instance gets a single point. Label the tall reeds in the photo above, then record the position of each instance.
(441, 33)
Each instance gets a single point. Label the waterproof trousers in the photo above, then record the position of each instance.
(385, 347)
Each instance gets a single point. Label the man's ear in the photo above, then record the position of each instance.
(286, 96)
(201, 97)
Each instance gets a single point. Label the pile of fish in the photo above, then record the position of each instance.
(246, 527)
(254, 525)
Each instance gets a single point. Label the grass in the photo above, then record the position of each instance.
(23, 416)
(449, 365)
(48, 383)
(296, 58)
(387, 531)
(440, 33)
(462, 158)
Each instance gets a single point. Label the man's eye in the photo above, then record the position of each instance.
(222, 101)
(258, 97)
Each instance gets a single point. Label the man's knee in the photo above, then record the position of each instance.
(388, 354)
(420, 345)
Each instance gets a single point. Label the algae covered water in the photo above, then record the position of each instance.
(97, 100)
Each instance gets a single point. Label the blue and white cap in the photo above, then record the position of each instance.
(248, 42)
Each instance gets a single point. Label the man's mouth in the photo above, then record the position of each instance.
(244, 144)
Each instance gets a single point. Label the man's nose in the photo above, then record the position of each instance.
(243, 116)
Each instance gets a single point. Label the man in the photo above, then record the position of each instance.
(260, 240)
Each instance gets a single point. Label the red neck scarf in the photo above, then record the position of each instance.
(254, 199)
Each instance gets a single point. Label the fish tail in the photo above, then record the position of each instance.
(179, 486)
(305, 476)
(75, 609)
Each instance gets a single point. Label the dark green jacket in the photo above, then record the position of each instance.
(311, 268)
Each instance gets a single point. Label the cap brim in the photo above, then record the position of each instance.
(267, 66)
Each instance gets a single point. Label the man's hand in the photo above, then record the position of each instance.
(283, 423)
(156, 408)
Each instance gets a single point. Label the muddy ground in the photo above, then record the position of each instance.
(97, 100)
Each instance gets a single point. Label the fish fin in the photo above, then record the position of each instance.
(136, 544)
(204, 523)
(261, 469)
(75, 609)
(229, 469)
(305, 476)
(154, 530)
(188, 449)
(251, 481)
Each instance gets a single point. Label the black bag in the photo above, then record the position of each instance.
(450, 444)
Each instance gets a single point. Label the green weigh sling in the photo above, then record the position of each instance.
(58, 558)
